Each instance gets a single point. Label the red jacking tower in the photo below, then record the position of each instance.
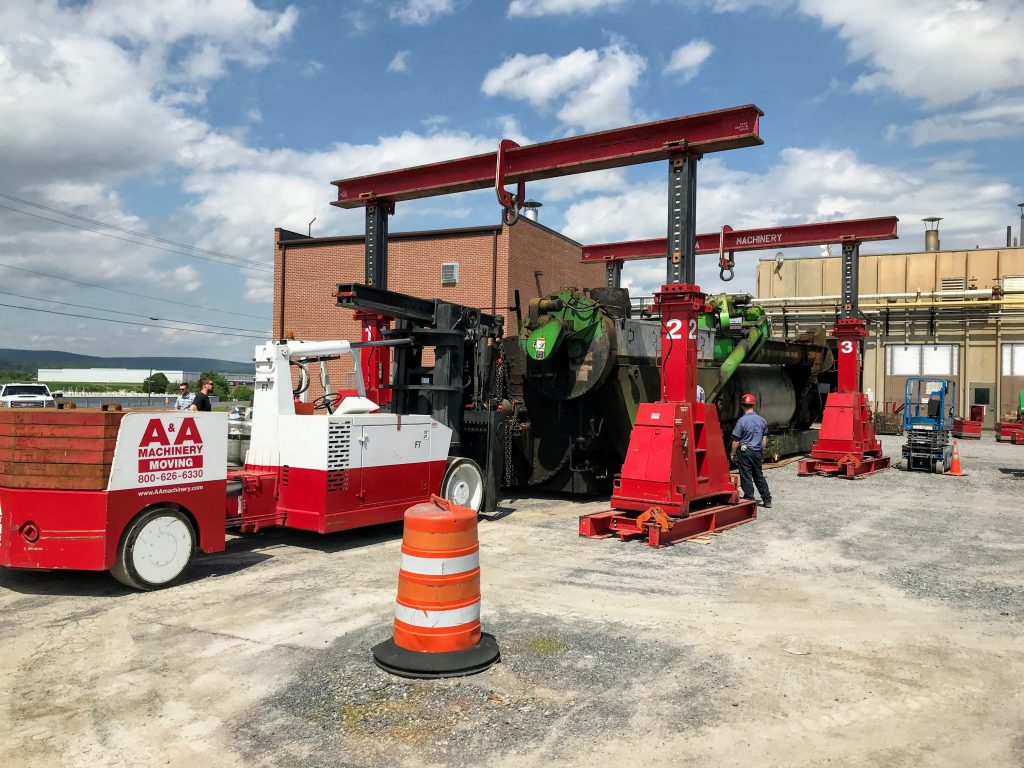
(847, 445)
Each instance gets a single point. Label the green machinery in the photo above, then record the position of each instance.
(586, 364)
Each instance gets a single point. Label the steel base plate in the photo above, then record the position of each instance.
(614, 522)
(847, 467)
(471, 661)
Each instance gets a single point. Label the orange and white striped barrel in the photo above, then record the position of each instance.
(437, 612)
(438, 605)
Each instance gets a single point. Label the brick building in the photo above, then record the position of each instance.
(476, 266)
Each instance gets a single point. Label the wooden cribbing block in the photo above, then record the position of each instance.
(55, 483)
(94, 432)
(18, 469)
(17, 444)
(58, 456)
(78, 417)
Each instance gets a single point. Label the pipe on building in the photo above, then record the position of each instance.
(980, 292)
(284, 263)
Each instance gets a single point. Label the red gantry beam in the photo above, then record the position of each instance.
(698, 134)
(861, 230)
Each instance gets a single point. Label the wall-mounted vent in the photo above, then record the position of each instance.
(450, 273)
(1013, 284)
(952, 284)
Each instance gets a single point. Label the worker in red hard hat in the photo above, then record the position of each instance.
(749, 438)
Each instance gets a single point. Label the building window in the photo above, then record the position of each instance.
(1013, 359)
(450, 273)
(982, 396)
(922, 360)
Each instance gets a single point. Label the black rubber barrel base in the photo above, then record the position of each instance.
(403, 663)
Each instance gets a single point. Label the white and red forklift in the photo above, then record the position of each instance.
(137, 493)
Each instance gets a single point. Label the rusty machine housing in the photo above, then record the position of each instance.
(586, 362)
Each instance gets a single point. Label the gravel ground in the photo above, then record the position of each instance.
(876, 622)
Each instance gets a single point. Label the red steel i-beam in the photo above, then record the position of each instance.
(649, 142)
(861, 230)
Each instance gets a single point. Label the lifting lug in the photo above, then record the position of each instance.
(509, 202)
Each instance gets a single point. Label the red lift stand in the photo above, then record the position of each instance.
(847, 446)
(675, 481)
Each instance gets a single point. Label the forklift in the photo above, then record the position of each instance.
(928, 409)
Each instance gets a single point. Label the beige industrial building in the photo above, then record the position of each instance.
(952, 314)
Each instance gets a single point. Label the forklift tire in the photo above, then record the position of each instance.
(156, 548)
(463, 484)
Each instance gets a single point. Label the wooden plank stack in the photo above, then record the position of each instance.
(47, 448)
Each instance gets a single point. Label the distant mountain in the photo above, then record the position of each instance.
(32, 360)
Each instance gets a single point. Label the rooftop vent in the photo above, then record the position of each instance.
(931, 232)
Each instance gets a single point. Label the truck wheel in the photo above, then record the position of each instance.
(463, 484)
(156, 548)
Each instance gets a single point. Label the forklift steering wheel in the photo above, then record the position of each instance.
(327, 402)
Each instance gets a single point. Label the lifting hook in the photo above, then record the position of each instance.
(726, 264)
(509, 202)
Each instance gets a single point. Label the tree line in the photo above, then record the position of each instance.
(158, 384)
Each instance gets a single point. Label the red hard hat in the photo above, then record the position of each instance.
(748, 399)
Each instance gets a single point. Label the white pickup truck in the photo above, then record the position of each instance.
(26, 396)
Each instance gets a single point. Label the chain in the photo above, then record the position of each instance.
(503, 390)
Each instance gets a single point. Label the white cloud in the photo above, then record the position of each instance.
(238, 190)
(588, 89)
(536, 8)
(433, 122)
(572, 187)
(254, 115)
(997, 121)
(96, 94)
(400, 62)
(311, 68)
(804, 185)
(687, 60)
(420, 12)
(937, 51)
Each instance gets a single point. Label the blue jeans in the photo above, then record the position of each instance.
(751, 474)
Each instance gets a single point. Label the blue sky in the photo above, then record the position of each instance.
(209, 122)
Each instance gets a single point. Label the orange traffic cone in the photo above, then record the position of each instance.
(954, 467)
(437, 613)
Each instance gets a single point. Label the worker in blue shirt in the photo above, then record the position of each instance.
(749, 438)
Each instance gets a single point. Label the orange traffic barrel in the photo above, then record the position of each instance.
(437, 612)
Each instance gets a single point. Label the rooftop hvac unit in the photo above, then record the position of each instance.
(450, 273)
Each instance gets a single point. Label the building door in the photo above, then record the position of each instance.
(1011, 382)
(982, 393)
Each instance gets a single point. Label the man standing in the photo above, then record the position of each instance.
(184, 399)
(750, 436)
(202, 401)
